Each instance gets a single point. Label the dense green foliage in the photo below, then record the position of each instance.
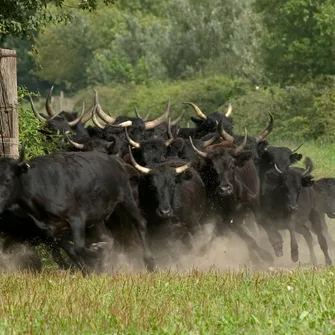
(37, 143)
(22, 18)
(299, 38)
(170, 40)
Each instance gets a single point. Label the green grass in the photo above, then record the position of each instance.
(322, 154)
(289, 302)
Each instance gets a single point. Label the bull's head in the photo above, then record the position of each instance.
(287, 184)
(158, 185)
(223, 158)
(10, 173)
(61, 122)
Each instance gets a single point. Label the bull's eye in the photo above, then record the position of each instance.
(7, 181)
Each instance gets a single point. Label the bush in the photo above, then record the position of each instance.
(36, 143)
(302, 112)
(209, 93)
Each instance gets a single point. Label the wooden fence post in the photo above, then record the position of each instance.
(9, 125)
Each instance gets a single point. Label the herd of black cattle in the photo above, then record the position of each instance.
(130, 180)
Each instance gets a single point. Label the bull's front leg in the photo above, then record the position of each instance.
(275, 238)
(293, 240)
(237, 226)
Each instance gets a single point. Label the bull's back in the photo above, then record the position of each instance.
(248, 177)
(193, 193)
(77, 179)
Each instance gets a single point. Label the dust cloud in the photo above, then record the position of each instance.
(208, 252)
(221, 253)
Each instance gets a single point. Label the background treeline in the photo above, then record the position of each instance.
(261, 55)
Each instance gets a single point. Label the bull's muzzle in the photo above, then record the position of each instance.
(164, 213)
(292, 208)
(226, 190)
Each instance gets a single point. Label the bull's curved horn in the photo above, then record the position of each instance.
(169, 129)
(22, 153)
(200, 153)
(105, 117)
(197, 110)
(223, 133)
(40, 117)
(124, 124)
(229, 111)
(309, 167)
(278, 170)
(209, 142)
(95, 120)
(87, 116)
(261, 136)
(182, 168)
(75, 144)
(169, 132)
(137, 113)
(74, 122)
(306, 172)
(242, 145)
(137, 166)
(48, 105)
(175, 121)
(78, 119)
(155, 123)
(83, 108)
(297, 148)
(130, 141)
(147, 116)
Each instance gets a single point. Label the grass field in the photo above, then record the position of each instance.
(287, 302)
(245, 301)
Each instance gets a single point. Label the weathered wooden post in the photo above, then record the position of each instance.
(9, 125)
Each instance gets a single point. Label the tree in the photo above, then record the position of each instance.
(299, 38)
(144, 41)
(21, 18)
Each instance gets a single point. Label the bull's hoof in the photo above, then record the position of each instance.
(150, 264)
(328, 261)
(279, 253)
(295, 257)
(278, 248)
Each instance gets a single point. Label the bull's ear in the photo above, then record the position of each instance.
(133, 180)
(261, 146)
(295, 158)
(110, 148)
(177, 145)
(187, 175)
(307, 181)
(22, 167)
(243, 157)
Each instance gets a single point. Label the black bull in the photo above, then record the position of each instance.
(171, 192)
(70, 192)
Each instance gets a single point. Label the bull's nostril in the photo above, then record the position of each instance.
(226, 189)
(165, 210)
(293, 208)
